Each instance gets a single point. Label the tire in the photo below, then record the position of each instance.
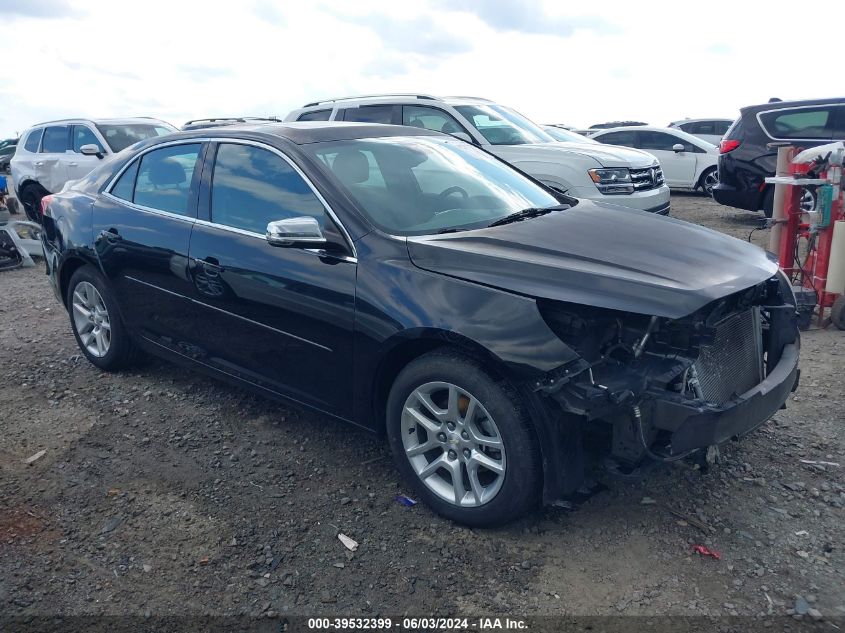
(808, 200)
(837, 312)
(462, 443)
(102, 338)
(769, 202)
(708, 180)
(31, 201)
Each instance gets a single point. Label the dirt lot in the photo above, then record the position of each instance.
(163, 492)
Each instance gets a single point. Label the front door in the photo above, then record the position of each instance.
(678, 167)
(79, 165)
(142, 229)
(280, 317)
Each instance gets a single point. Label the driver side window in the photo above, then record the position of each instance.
(252, 187)
(430, 119)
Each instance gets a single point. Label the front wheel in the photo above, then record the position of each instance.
(95, 320)
(462, 440)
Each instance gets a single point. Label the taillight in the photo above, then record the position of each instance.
(45, 202)
(728, 145)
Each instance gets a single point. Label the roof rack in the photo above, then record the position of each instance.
(239, 119)
(388, 94)
(468, 97)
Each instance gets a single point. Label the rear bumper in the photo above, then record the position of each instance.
(697, 426)
(749, 199)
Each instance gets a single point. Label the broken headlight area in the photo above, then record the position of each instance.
(667, 386)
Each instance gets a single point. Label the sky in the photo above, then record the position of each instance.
(556, 62)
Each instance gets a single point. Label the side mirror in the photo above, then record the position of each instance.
(462, 135)
(300, 231)
(678, 148)
(91, 150)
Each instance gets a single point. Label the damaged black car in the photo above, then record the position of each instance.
(412, 284)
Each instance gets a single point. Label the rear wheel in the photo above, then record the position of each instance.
(709, 179)
(31, 201)
(462, 440)
(837, 312)
(96, 323)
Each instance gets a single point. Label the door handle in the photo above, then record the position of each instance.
(39, 163)
(111, 235)
(210, 265)
(73, 164)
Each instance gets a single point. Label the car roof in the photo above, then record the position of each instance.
(304, 132)
(123, 121)
(780, 105)
(394, 98)
(714, 118)
(655, 128)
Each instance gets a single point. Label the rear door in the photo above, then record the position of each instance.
(280, 317)
(79, 165)
(678, 167)
(142, 229)
(51, 162)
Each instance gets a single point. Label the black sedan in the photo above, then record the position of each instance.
(412, 284)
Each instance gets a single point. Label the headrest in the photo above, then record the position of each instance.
(167, 171)
(351, 167)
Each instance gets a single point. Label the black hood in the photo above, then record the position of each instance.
(601, 255)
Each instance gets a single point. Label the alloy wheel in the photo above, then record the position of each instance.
(91, 319)
(807, 201)
(710, 181)
(453, 444)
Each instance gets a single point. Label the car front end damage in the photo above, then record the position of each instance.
(668, 387)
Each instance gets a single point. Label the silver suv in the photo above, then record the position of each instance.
(621, 175)
(50, 154)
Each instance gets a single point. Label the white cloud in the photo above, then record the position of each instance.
(654, 62)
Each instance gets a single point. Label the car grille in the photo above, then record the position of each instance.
(733, 364)
(648, 178)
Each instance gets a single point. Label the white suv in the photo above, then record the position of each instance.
(50, 154)
(620, 175)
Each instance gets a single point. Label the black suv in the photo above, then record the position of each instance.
(749, 148)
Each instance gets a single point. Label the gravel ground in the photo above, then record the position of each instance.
(164, 492)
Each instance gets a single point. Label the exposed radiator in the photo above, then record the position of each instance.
(733, 364)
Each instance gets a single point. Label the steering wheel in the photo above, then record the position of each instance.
(451, 190)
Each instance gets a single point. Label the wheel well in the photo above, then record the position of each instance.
(404, 353)
(68, 268)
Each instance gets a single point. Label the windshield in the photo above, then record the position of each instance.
(503, 126)
(417, 185)
(559, 134)
(119, 136)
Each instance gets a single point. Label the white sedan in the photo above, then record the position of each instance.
(687, 161)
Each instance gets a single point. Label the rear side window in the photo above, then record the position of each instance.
(164, 178)
(252, 187)
(806, 123)
(721, 127)
(125, 185)
(82, 135)
(626, 139)
(838, 129)
(33, 140)
(315, 115)
(370, 114)
(55, 139)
